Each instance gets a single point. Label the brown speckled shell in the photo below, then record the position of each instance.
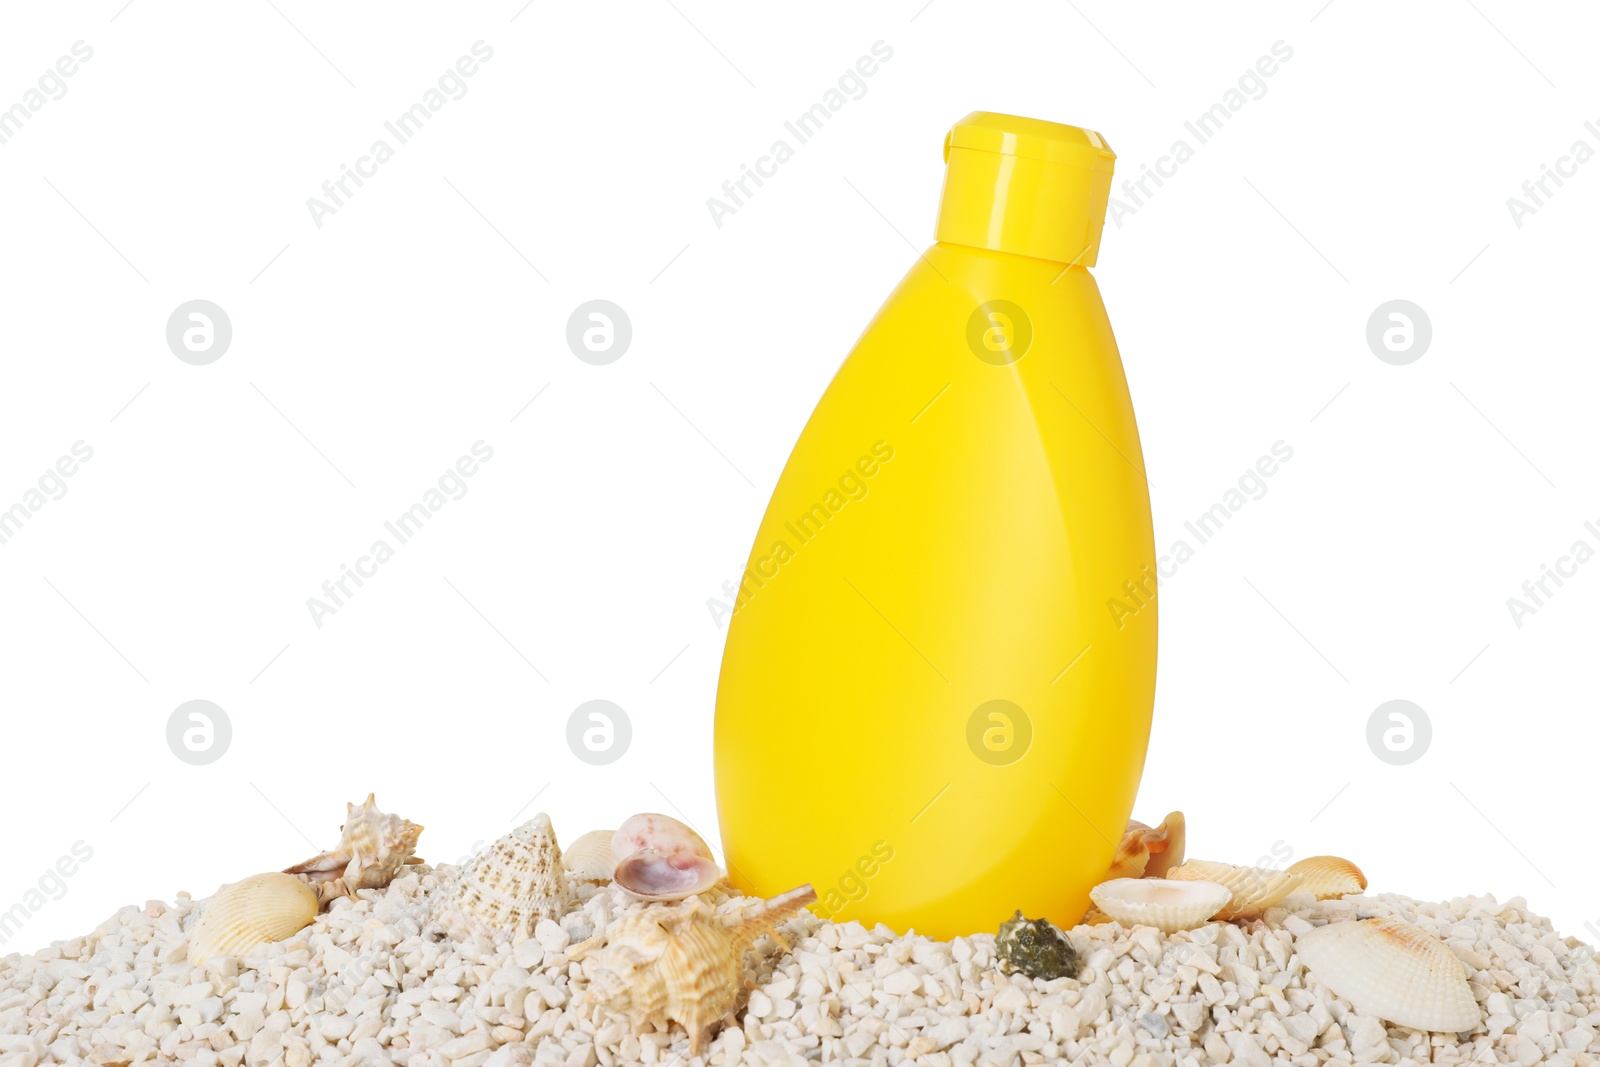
(514, 883)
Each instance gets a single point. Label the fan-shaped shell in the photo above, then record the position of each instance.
(680, 963)
(1326, 877)
(1255, 889)
(250, 913)
(514, 883)
(661, 859)
(589, 858)
(1394, 970)
(1167, 904)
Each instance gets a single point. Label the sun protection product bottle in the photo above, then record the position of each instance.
(936, 692)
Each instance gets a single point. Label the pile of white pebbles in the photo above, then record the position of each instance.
(375, 982)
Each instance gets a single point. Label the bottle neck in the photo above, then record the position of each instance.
(1028, 207)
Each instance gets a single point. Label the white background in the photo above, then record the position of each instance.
(415, 322)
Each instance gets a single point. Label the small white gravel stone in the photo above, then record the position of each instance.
(551, 937)
(377, 982)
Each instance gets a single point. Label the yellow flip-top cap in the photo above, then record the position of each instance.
(1025, 186)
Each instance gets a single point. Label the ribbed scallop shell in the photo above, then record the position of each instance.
(590, 859)
(250, 913)
(1326, 877)
(514, 883)
(1394, 970)
(679, 963)
(1255, 889)
(1167, 904)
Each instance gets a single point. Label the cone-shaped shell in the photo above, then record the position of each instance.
(589, 858)
(250, 913)
(1255, 889)
(1326, 877)
(1394, 970)
(514, 883)
(661, 859)
(1166, 904)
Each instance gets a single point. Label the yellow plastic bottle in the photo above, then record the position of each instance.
(936, 692)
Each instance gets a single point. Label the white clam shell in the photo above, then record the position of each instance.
(250, 913)
(1166, 904)
(1394, 970)
(590, 859)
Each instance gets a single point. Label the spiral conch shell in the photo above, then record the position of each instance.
(1394, 970)
(372, 848)
(679, 963)
(1254, 889)
(514, 883)
(1326, 877)
(252, 912)
(1147, 852)
(661, 859)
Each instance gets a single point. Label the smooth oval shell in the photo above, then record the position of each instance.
(1327, 877)
(1394, 970)
(658, 876)
(661, 859)
(1255, 889)
(250, 913)
(514, 883)
(589, 858)
(1167, 904)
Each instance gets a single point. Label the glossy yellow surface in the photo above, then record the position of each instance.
(1021, 185)
(958, 515)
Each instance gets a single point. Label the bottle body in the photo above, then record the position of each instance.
(931, 705)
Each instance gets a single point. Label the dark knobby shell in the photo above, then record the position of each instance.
(1037, 948)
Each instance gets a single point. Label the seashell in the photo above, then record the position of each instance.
(1327, 877)
(372, 848)
(514, 883)
(250, 913)
(1167, 904)
(661, 859)
(1147, 852)
(1255, 889)
(1173, 834)
(589, 858)
(679, 963)
(1394, 970)
(1037, 948)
